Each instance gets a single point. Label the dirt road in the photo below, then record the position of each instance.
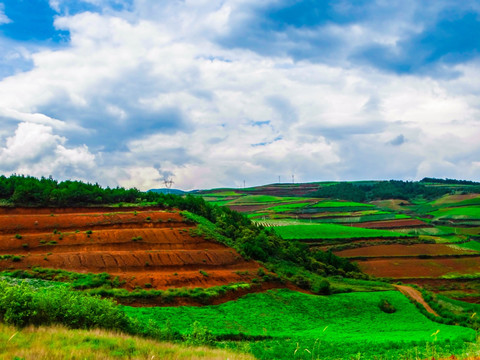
(415, 295)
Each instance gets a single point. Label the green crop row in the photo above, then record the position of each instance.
(331, 231)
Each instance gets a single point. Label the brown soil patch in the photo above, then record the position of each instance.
(392, 224)
(394, 204)
(147, 246)
(404, 250)
(451, 199)
(415, 295)
(420, 268)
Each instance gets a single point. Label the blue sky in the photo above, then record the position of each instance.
(214, 92)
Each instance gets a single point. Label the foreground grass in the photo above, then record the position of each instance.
(51, 343)
(275, 324)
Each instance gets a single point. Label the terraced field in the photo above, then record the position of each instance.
(419, 241)
(143, 247)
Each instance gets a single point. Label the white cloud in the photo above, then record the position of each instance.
(35, 150)
(3, 18)
(133, 93)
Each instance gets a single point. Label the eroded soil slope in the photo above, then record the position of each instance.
(145, 247)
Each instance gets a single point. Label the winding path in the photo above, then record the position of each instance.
(416, 295)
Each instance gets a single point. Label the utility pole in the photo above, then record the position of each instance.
(279, 179)
(293, 179)
(244, 184)
(168, 183)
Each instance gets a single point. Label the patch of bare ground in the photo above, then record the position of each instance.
(145, 247)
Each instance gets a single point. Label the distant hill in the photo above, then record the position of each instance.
(168, 191)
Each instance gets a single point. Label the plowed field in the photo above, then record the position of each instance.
(144, 246)
(393, 224)
(404, 250)
(420, 268)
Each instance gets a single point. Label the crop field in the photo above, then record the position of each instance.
(396, 238)
(404, 268)
(341, 204)
(464, 212)
(398, 250)
(147, 248)
(331, 231)
(282, 324)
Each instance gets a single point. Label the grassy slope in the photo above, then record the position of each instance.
(346, 324)
(464, 212)
(331, 231)
(51, 343)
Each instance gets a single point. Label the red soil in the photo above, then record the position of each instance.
(420, 268)
(404, 250)
(147, 246)
(392, 224)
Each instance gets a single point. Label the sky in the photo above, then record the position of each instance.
(212, 93)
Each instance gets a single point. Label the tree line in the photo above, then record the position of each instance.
(382, 190)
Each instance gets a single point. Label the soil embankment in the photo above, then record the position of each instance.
(148, 248)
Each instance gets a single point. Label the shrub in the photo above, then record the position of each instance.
(204, 273)
(25, 246)
(23, 305)
(200, 335)
(88, 232)
(321, 287)
(16, 258)
(18, 236)
(386, 306)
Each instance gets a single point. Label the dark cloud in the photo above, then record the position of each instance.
(399, 140)
(429, 34)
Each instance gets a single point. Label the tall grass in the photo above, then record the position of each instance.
(57, 342)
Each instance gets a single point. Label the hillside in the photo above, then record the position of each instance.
(167, 250)
(418, 232)
(143, 247)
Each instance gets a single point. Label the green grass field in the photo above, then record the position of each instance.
(464, 212)
(333, 204)
(331, 231)
(330, 327)
(262, 199)
(288, 207)
(472, 245)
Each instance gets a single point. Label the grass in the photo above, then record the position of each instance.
(58, 343)
(345, 324)
(472, 245)
(331, 231)
(262, 199)
(333, 204)
(222, 194)
(288, 207)
(464, 212)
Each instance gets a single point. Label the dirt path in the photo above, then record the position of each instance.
(415, 295)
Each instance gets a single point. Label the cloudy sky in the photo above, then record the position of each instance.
(215, 92)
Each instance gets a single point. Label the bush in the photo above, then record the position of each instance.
(386, 306)
(200, 335)
(321, 287)
(22, 305)
(18, 236)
